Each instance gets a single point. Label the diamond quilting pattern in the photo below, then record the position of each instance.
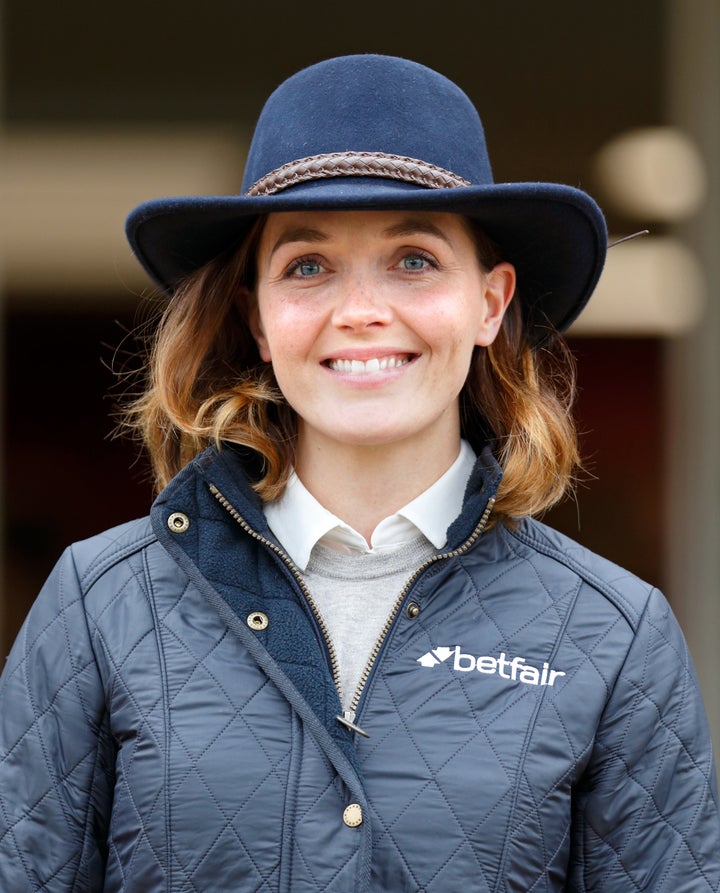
(640, 754)
(237, 812)
(468, 774)
(55, 664)
(138, 722)
(521, 747)
(323, 848)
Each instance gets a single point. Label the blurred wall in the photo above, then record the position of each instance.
(692, 363)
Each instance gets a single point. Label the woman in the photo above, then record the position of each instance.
(340, 655)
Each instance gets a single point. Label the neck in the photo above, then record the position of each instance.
(364, 484)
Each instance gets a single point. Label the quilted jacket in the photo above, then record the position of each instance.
(168, 719)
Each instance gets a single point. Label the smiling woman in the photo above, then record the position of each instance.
(370, 325)
(341, 655)
(517, 396)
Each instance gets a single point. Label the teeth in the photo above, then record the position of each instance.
(358, 367)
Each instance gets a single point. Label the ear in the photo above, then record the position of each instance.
(499, 289)
(252, 312)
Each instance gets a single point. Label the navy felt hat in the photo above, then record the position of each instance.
(378, 132)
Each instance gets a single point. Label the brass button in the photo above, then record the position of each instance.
(352, 815)
(178, 522)
(412, 611)
(257, 620)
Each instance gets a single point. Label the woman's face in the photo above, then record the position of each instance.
(369, 319)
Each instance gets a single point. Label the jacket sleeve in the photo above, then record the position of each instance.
(55, 749)
(646, 813)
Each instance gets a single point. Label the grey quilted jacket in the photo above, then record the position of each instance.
(168, 719)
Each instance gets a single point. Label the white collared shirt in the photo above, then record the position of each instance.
(299, 521)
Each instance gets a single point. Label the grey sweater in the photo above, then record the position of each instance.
(355, 592)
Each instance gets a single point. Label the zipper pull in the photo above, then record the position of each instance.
(348, 720)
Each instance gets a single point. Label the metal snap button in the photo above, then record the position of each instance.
(178, 522)
(412, 611)
(257, 620)
(352, 815)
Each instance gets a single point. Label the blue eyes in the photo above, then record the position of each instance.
(415, 262)
(308, 267)
(304, 268)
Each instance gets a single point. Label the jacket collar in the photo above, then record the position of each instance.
(227, 470)
(300, 521)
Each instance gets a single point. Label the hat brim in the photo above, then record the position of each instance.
(554, 235)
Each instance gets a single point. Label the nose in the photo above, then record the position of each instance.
(361, 303)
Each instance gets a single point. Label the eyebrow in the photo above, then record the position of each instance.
(299, 234)
(410, 226)
(413, 225)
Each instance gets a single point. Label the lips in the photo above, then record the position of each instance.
(369, 366)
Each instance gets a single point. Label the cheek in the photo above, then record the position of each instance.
(454, 327)
(288, 333)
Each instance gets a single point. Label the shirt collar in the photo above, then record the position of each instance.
(299, 521)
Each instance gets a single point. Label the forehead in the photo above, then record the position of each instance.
(321, 226)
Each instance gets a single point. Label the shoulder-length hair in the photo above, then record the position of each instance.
(206, 384)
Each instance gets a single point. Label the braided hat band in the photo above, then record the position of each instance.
(356, 164)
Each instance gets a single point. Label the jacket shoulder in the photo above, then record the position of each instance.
(624, 589)
(94, 556)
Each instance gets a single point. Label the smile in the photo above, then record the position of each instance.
(375, 364)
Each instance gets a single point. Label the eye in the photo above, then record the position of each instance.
(304, 267)
(308, 268)
(417, 261)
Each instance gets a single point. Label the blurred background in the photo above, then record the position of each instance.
(106, 105)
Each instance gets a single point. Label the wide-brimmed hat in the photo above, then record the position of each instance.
(378, 132)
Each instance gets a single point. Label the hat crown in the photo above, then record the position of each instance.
(370, 103)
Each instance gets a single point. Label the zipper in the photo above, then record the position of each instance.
(347, 718)
(474, 536)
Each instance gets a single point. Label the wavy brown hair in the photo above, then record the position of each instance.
(206, 384)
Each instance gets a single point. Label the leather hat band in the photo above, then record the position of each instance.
(356, 164)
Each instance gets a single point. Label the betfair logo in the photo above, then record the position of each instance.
(516, 669)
